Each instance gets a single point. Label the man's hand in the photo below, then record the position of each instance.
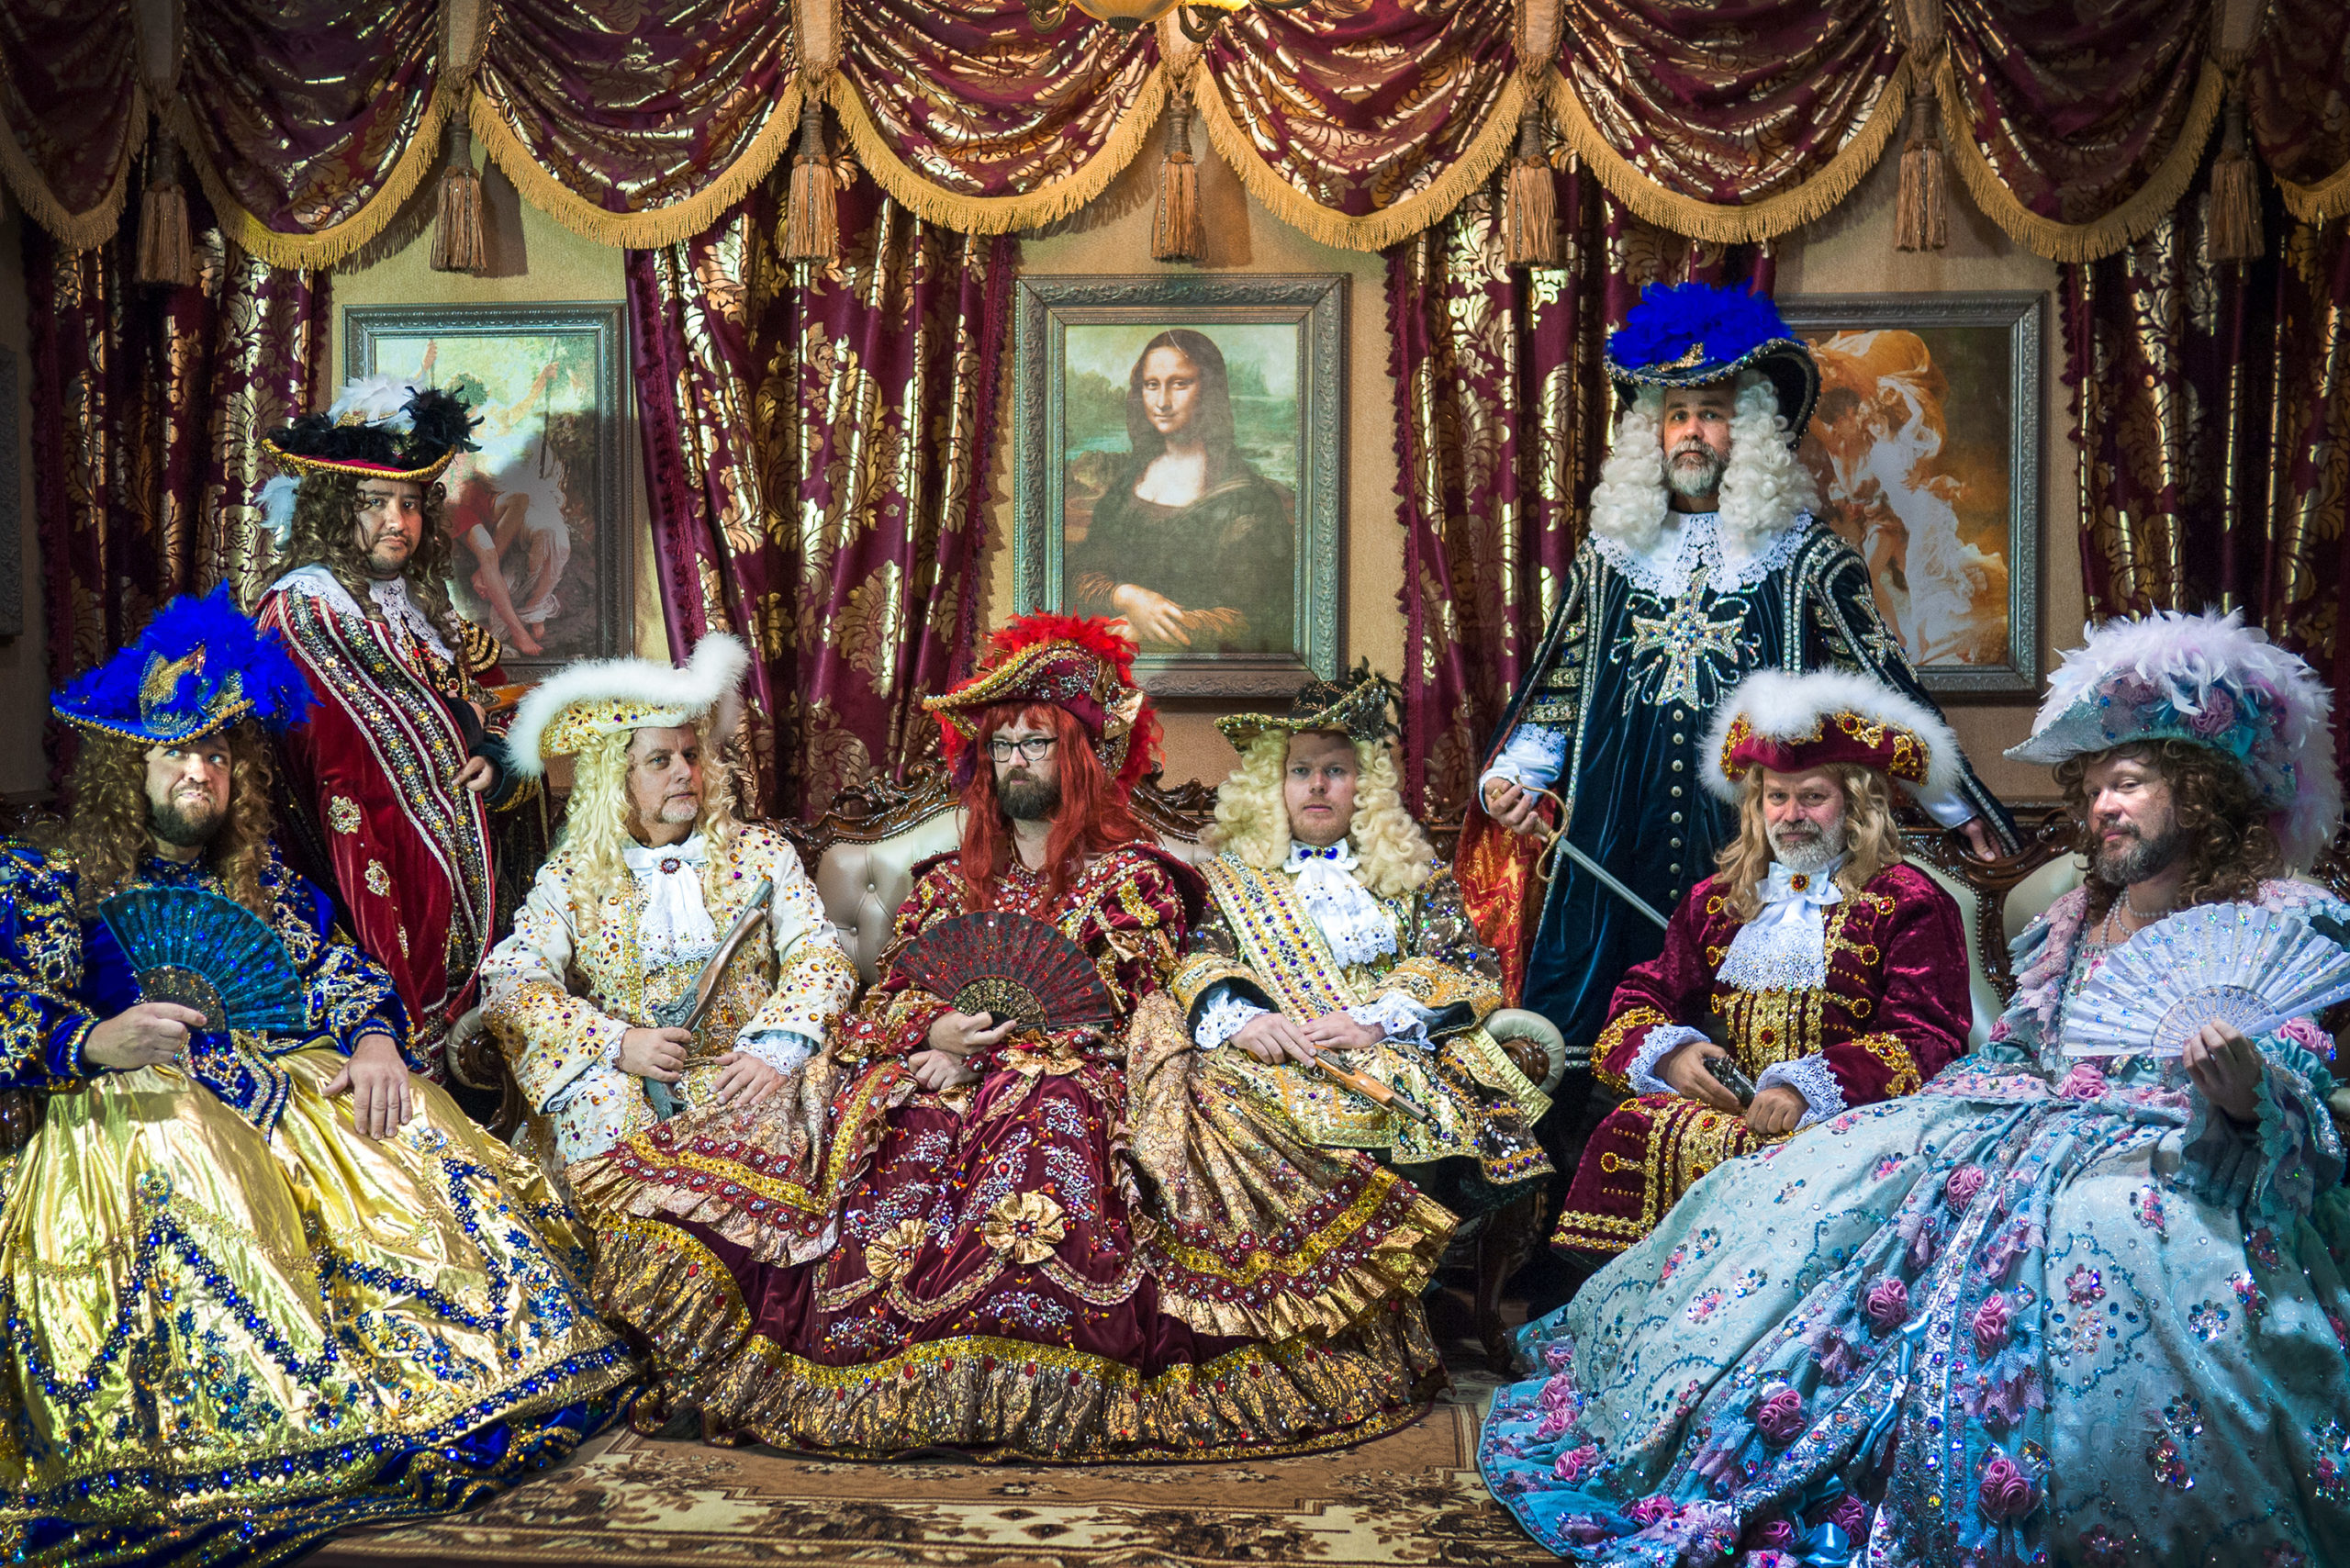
(962, 1034)
(1269, 1038)
(1339, 1032)
(1685, 1071)
(476, 774)
(143, 1036)
(744, 1081)
(1514, 806)
(1154, 617)
(1775, 1110)
(657, 1054)
(2227, 1068)
(1978, 838)
(939, 1070)
(382, 1099)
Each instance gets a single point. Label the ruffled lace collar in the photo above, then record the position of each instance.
(1352, 921)
(1666, 571)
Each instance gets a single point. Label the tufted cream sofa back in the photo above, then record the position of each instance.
(863, 882)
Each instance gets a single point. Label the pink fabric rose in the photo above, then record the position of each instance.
(2218, 715)
(2006, 1492)
(1887, 1304)
(2304, 1033)
(1653, 1507)
(1572, 1465)
(1963, 1184)
(2085, 1081)
(1992, 1320)
(1780, 1417)
(1851, 1516)
(1774, 1534)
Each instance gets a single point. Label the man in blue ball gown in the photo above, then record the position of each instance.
(258, 1283)
(2052, 1308)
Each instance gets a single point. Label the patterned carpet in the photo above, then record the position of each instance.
(1411, 1497)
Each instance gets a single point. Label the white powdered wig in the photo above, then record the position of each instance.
(1784, 705)
(709, 684)
(1764, 489)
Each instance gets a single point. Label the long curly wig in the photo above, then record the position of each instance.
(110, 833)
(2231, 846)
(326, 516)
(1764, 487)
(1872, 837)
(1252, 822)
(598, 820)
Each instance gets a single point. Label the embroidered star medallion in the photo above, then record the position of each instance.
(1693, 645)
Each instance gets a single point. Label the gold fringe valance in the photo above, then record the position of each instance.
(324, 246)
(93, 225)
(1723, 223)
(934, 203)
(2327, 199)
(653, 227)
(1368, 232)
(2131, 219)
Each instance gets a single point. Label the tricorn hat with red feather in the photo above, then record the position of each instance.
(1082, 664)
(1790, 722)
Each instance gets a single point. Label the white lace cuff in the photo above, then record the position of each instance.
(782, 1050)
(1533, 756)
(1813, 1078)
(1224, 1016)
(612, 1056)
(1405, 1021)
(1661, 1042)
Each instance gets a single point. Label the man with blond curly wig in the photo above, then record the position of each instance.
(652, 869)
(1335, 940)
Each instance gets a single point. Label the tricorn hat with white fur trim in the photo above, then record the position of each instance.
(606, 697)
(1788, 723)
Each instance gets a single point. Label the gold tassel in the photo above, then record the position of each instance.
(457, 242)
(1175, 231)
(1921, 205)
(1530, 198)
(811, 216)
(2234, 233)
(166, 245)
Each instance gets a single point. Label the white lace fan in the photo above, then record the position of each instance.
(2214, 963)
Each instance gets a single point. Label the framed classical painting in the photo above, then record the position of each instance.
(1177, 464)
(537, 517)
(1926, 447)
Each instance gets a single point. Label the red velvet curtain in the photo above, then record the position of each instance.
(146, 407)
(2213, 405)
(1502, 420)
(816, 446)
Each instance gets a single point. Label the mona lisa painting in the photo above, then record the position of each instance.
(1177, 468)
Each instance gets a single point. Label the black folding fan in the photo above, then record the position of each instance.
(1008, 966)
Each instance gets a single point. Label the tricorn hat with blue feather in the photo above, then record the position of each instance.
(1693, 334)
(199, 666)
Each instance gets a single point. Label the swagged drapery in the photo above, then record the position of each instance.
(1502, 413)
(2074, 124)
(816, 441)
(146, 409)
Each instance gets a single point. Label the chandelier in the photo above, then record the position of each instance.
(1197, 17)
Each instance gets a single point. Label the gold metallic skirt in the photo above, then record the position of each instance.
(222, 1345)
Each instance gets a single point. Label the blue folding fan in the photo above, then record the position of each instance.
(209, 953)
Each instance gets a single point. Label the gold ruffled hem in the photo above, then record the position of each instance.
(1004, 1399)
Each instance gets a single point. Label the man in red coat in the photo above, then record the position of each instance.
(1815, 962)
(395, 774)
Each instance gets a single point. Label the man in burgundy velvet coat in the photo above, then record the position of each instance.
(1825, 969)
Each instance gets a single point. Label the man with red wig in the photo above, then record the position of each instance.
(1064, 1242)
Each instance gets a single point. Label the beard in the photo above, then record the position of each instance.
(1703, 479)
(189, 826)
(1027, 800)
(2138, 856)
(1805, 847)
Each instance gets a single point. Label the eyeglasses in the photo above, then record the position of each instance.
(1034, 748)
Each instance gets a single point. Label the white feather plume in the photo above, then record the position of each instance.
(1784, 705)
(275, 503)
(709, 683)
(378, 399)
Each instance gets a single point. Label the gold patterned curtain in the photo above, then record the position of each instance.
(146, 405)
(2213, 405)
(816, 441)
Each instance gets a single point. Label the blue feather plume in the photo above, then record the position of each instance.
(109, 695)
(1730, 322)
